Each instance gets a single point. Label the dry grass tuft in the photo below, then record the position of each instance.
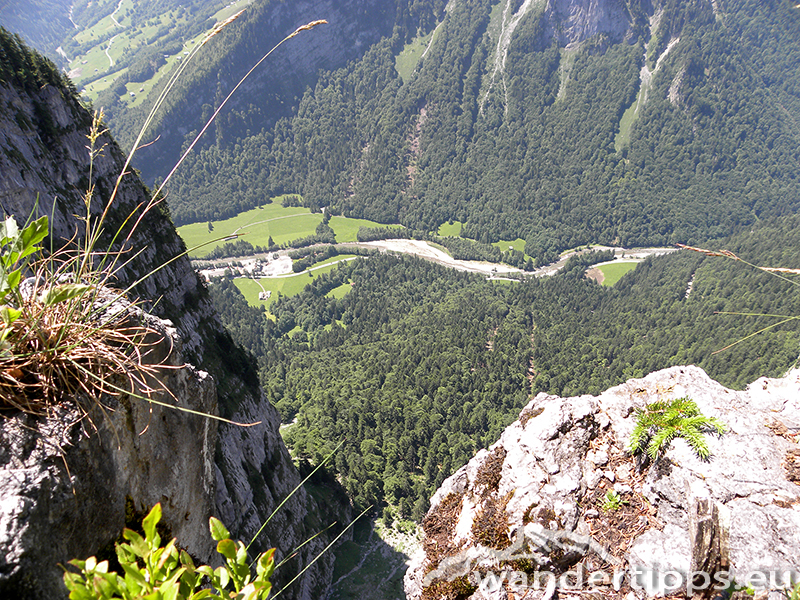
(439, 526)
(490, 526)
(528, 414)
(70, 349)
(459, 588)
(66, 334)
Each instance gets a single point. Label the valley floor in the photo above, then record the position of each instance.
(278, 263)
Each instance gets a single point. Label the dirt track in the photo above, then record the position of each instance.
(428, 252)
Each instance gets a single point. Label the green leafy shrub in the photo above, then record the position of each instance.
(166, 573)
(658, 423)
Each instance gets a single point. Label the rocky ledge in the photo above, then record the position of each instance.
(559, 506)
(70, 481)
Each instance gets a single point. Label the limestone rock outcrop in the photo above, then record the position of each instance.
(573, 21)
(543, 497)
(67, 480)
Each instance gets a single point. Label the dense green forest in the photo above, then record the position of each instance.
(418, 366)
(714, 149)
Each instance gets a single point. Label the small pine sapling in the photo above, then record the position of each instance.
(612, 501)
(660, 422)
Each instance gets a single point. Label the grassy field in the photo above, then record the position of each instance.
(450, 229)
(407, 60)
(284, 225)
(347, 556)
(575, 249)
(517, 244)
(340, 292)
(438, 246)
(92, 69)
(346, 228)
(623, 137)
(286, 286)
(257, 225)
(613, 272)
(381, 573)
(565, 70)
(332, 260)
(143, 89)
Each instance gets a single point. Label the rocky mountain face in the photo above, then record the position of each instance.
(571, 22)
(44, 170)
(559, 494)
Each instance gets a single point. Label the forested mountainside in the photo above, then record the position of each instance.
(274, 90)
(560, 122)
(418, 366)
(42, 23)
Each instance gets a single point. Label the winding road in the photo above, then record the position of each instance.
(110, 60)
(113, 18)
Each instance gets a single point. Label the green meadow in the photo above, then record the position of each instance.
(289, 285)
(283, 224)
(340, 292)
(255, 226)
(93, 71)
(613, 272)
(409, 56)
(452, 229)
(346, 228)
(517, 244)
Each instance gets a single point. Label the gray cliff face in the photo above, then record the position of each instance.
(574, 21)
(571, 22)
(544, 482)
(50, 170)
(253, 478)
(66, 481)
(252, 471)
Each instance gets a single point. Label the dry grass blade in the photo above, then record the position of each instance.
(774, 271)
(55, 345)
(731, 255)
(228, 97)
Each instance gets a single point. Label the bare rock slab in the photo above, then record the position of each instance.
(731, 518)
